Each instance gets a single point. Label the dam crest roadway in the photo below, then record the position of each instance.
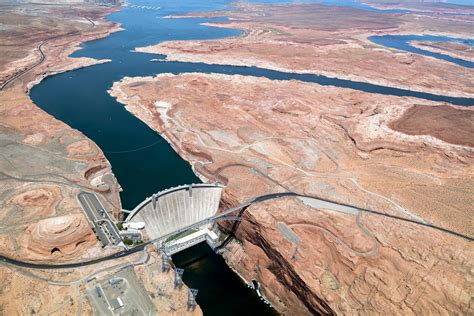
(172, 210)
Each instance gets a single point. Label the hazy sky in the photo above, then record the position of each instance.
(467, 2)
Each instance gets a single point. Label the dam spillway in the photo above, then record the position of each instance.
(175, 208)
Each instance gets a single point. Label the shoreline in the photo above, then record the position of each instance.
(75, 64)
(144, 107)
(173, 54)
(428, 47)
(191, 162)
(87, 158)
(141, 112)
(189, 156)
(209, 59)
(197, 60)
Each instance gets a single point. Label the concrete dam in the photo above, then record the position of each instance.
(173, 209)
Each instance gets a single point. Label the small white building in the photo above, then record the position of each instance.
(116, 303)
(134, 225)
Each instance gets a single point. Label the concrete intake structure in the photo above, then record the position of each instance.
(175, 208)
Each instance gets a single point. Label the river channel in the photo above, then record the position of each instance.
(141, 160)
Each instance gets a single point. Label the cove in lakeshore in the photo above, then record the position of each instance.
(80, 99)
(402, 42)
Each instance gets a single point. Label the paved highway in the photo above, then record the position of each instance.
(99, 217)
(17, 76)
(138, 248)
(256, 200)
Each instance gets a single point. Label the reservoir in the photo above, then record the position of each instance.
(402, 42)
(141, 160)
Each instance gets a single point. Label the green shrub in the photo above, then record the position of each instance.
(127, 241)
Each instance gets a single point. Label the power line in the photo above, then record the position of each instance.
(133, 150)
(291, 192)
(445, 230)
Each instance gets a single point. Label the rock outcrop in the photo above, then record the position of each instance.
(63, 236)
(331, 41)
(43, 162)
(261, 136)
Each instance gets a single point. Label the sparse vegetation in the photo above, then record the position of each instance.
(128, 242)
(183, 234)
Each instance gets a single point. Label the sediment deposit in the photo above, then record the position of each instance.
(259, 136)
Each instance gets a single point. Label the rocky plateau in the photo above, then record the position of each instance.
(331, 41)
(260, 136)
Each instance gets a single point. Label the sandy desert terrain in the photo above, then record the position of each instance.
(44, 165)
(456, 50)
(422, 6)
(330, 41)
(403, 156)
(234, 129)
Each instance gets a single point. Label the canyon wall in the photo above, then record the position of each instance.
(260, 136)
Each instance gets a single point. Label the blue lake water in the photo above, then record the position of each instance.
(202, 266)
(342, 3)
(80, 99)
(402, 42)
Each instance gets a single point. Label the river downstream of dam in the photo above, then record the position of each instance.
(142, 161)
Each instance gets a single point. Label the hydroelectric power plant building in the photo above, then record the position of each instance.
(174, 209)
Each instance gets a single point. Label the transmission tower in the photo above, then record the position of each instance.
(178, 281)
(165, 262)
(192, 293)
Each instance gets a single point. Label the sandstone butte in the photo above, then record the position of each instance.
(338, 144)
(331, 41)
(44, 164)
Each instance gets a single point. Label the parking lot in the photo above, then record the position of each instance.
(102, 222)
(121, 294)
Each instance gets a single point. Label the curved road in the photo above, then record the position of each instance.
(256, 200)
(10, 80)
